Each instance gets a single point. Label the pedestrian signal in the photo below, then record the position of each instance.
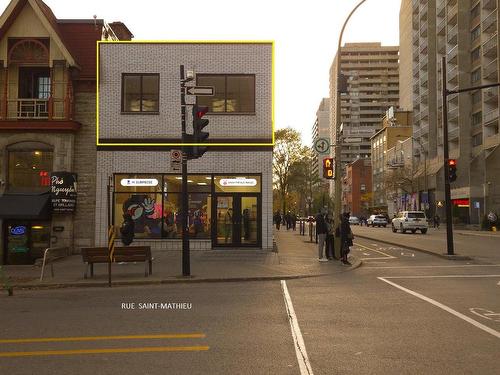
(328, 168)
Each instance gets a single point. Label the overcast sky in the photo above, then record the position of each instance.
(305, 34)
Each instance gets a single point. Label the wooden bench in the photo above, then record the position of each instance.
(128, 254)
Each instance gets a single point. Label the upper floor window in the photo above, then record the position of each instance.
(233, 93)
(475, 54)
(474, 34)
(140, 92)
(476, 75)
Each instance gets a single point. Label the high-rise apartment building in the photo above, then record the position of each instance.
(372, 87)
(466, 33)
(321, 129)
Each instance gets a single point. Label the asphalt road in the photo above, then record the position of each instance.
(402, 312)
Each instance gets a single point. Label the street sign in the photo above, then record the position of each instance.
(322, 146)
(200, 90)
(175, 160)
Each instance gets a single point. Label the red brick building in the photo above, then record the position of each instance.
(357, 188)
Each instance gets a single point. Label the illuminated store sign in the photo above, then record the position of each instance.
(139, 182)
(238, 182)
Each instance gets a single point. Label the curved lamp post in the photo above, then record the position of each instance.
(338, 155)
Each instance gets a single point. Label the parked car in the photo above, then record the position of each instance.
(410, 220)
(353, 220)
(377, 221)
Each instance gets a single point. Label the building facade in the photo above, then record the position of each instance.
(466, 33)
(396, 126)
(357, 188)
(321, 129)
(47, 130)
(372, 87)
(230, 187)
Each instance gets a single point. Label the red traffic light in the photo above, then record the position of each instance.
(199, 111)
(452, 162)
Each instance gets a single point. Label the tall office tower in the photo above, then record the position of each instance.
(321, 129)
(405, 56)
(372, 87)
(466, 33)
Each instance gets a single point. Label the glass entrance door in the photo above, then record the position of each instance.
(237, 223)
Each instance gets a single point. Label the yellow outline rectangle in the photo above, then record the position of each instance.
(184, 42)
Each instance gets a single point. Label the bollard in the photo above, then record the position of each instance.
(310, 231)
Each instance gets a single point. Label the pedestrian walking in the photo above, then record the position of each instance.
(436, 221)
(294, 221)
(330, 252)
(321, 230)
(277, 219)
(346, 238)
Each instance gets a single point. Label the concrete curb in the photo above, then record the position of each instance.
(442, 256)
(479, 234)
(174, 280)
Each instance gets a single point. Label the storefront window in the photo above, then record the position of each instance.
(30, 165)
(154, 202)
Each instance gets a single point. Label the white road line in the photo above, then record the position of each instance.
(300, 347)
(388, 256)
(436, 276)
(459, 266)
(475, 323)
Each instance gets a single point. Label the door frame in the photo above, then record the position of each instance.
(237, 225)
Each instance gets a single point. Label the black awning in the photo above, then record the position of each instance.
(17, 206)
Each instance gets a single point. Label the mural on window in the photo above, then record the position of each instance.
(156, 209)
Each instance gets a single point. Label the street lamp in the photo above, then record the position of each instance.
(338, 155)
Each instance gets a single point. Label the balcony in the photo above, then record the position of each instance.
(490, 96)
(453, 134)
(490, 23)
(489, 4)
(423, 29)
(416, 70)
(490, 71)
(423, 78)
(490, 46)
(423, 61)
(415, 39)
(441, 27)
(452, 54)
(491, 141)
(452, 14)
(453, 115)
(452, 34)
(440, 6)
(490, 118)
(453, 75)
(423, 46)
(28, 109)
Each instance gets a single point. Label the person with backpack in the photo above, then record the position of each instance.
(127, 229)
(330, 252)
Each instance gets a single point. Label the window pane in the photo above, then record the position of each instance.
(172, 183)
(240, 94)
(199, 215)
(131, 93)
(198, 184)
(30, 170)
(150, 93)
(215, 103)
(146, 211)
(172, 221)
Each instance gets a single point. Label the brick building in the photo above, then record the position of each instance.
(230, 187)
(47, 129)
(357, 188)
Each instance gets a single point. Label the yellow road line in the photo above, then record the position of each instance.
(378, 251)
(103, 351)
(100, 338)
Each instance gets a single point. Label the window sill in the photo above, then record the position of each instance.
(140, 113)
(231, 113)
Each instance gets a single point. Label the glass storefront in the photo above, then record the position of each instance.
(154, 202)
(26, 241)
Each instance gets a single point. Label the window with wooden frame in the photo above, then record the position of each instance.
(233, 93)
(140, 93)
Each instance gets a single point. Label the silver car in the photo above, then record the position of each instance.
(377, 221)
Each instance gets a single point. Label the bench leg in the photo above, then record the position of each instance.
(91, 269)
(145, 269)
(150, 267)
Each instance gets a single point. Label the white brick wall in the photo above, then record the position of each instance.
(219, 162)
(165, 59)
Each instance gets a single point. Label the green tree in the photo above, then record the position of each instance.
(287, 151)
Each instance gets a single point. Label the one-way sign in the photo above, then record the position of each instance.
(200, 90)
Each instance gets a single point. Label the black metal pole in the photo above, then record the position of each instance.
(185, 240)
(109, 226)
(447, 194)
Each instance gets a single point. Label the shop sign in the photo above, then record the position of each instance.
(18, 231)
(461, 202)
(139, 182)
(238, 182)
(63, 192)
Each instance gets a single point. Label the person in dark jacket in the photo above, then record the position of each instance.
(321, 231)
(330, 252)
(277, 219)
(346, 237)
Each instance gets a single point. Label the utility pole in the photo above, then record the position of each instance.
(186, 264)
(338, 154)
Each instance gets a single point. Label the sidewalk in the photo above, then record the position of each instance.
(468, 245)
(296, 258)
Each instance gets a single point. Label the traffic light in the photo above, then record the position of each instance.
(199, 136)
(328, 168)
(127, 230)
(452, 169)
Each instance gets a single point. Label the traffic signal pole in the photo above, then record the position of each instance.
(446, 156)
(186, 263)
